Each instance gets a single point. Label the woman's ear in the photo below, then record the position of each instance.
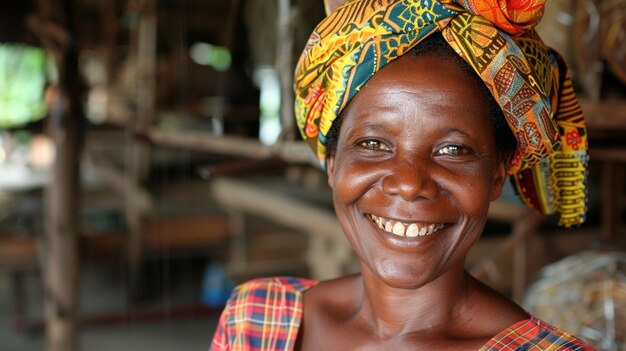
(330, 168)
(499, 179)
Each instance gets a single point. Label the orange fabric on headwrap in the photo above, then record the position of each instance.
(514, 17)
(495, 37)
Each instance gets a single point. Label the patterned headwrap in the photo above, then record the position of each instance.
(527, 79)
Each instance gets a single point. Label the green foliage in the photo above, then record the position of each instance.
(22, 82)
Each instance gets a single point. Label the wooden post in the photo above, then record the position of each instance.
(110, 32)
(284, 67)
(145, 65)
(144, 42)
(608, 192)
(59, 243)
(612, 205)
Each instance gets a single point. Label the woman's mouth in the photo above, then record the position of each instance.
(410, 230)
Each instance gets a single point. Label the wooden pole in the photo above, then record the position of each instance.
(145, 65)
(111, 16)
(59, 243)
(144, 42)
(284, 67)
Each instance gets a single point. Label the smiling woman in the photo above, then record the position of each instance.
(412, 144)
(419, 110)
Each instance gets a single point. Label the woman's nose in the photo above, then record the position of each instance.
(410, 180)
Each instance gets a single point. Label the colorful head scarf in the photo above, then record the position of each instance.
(527, 79)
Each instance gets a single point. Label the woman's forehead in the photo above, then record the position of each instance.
(420, 82)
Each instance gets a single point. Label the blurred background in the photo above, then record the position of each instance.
(149, 162)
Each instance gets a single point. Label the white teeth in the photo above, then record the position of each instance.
(398, 229)
(410, 230)
(423, 231)
(379, 222)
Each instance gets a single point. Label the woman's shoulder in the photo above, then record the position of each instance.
(533, 334)
(265, 311)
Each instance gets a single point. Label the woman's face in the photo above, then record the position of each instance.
(414, 170)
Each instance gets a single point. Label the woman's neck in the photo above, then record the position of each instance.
(394, 311)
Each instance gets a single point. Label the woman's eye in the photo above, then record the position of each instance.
(374, 145)
(453, 150)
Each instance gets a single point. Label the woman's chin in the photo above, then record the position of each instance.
(402, 277)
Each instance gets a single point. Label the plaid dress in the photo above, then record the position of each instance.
(265, 314)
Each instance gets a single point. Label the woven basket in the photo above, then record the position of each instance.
(585, 295)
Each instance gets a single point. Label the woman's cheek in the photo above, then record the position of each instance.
(354, 178)
(471, 186)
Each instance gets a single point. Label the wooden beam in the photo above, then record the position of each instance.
(204, 141)
(608, 154)
(289, 151)
(296, 152)
(133, 194)
(329, 250)
(297, 214)
(186, 232)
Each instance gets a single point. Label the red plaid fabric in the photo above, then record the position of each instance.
(265, 314)
(534, 335)
(262, 315)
